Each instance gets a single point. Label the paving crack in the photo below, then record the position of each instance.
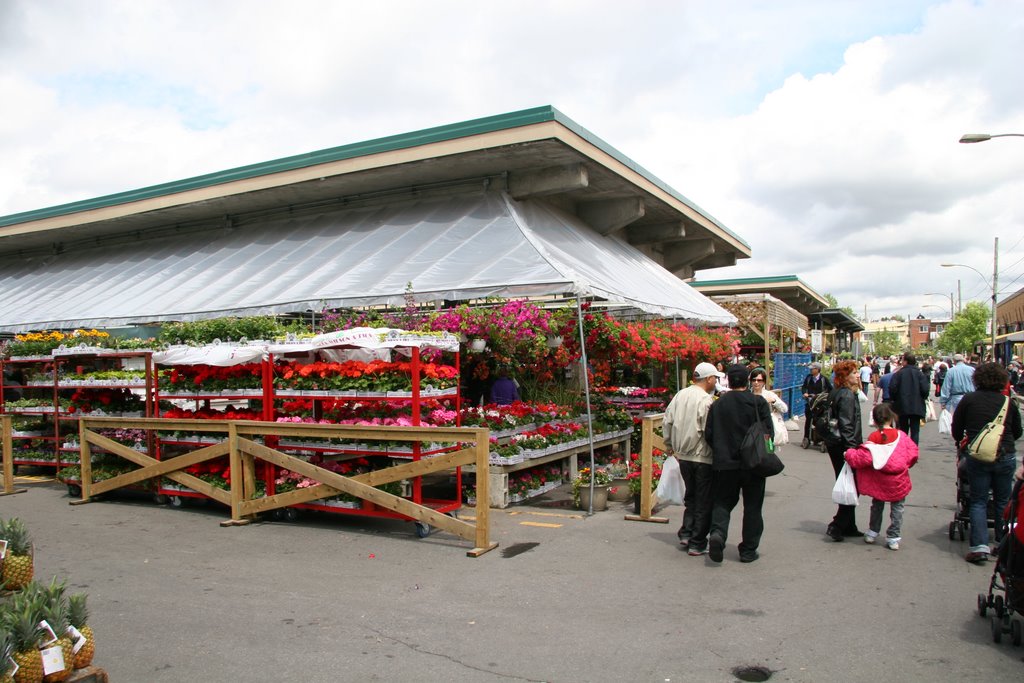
(418, 649)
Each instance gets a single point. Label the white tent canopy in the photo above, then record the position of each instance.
(455, 248)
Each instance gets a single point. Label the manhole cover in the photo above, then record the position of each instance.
(752, 673)
(517, 549)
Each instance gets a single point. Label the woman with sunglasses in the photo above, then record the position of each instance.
(759, 385)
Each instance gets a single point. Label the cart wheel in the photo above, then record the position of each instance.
(1015, 632)
(952, 530)
(454, 514)
(997, 629)
(277, 515)
(160, 499)
(74, 491)
(998, 606)
(982, 605)
(823, 447)
(805, 443)
(422, 529)
(176, 501)
(291, 515)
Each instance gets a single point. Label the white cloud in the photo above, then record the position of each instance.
(824, 134)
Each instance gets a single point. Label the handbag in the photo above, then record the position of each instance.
(845, 490)
(757, 452)
(985, 444)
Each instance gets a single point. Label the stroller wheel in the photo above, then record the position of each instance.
(997, 629)
(805, 443)
(1015, 632)
(999, 607)
(952, 531)
(963, 530)
(982, 605)
(823, 447)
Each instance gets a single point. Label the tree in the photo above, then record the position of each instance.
(834, 303)
(967, 327)
(887, 343)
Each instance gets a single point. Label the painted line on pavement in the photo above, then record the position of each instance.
(546, 514)
(541, 524)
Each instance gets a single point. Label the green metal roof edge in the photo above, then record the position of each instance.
(749, 281)
(453, 131)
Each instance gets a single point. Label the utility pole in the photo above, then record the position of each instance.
(995, 289)
(959, 297)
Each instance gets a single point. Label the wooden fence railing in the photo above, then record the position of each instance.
(649, 441)
(243, 452)
(8, 457)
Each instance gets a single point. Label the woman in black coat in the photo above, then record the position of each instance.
(844, 406)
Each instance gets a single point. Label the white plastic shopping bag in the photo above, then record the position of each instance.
(670, 486)
(929, 411)
(945, 421)
(845, 490)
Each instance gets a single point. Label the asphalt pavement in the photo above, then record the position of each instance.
(565, 597)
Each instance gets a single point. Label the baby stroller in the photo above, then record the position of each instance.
(815, 410)
(1007, 578)
(962, 514)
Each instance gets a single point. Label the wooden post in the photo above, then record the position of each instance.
(240, 475)
(8, 457)
(483, 492)
(85, 459)
(646, 475)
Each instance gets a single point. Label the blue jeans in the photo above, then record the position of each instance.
(983, 477)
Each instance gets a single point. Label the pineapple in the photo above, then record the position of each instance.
(79, 615)
(18, 568)
(54, 608)
(23, 624)
(6, 650)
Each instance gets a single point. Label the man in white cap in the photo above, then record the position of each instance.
(685, 419)
(959, 381)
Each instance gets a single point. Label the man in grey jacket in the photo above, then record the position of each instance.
(685, 419)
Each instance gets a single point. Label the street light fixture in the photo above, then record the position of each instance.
(994, 283)
(952, 310)
(982, 137)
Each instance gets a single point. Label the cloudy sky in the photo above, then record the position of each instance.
(823, 133)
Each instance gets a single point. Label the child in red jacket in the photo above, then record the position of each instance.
(882, 467)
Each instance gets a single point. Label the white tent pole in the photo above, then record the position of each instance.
(586, 394)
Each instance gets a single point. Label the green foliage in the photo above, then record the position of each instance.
(224, 329)
(966, 328)
(887, 342)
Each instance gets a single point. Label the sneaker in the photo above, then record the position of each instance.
(976, 557)
(833, 532)
(892, 544)
(749, 557)
(715, 547)
(695, 551)
(684, 542)
(869, 538)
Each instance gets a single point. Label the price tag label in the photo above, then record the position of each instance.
(53, 660)
(50, 638)
(76, 636)
(3, 549)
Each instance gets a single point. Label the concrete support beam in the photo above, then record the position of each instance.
(546, 181)
(656, 233)
(687, 253)
(608, 215)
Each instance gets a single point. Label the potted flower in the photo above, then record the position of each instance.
(634, 478)
(581, 489)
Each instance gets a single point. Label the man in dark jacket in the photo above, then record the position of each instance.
(814, 383)
(908, 391)
(728, 421)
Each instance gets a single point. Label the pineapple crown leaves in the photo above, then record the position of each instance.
(16, 535)
(6, 650)
(22, 622)
(78, 612)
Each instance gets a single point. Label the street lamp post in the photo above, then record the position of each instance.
(952, 310)
(995, 285)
